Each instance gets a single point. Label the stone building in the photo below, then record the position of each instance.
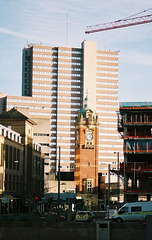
(21, 163)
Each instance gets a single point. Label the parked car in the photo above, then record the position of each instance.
(84, 216)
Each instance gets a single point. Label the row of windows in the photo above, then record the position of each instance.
(44, 108)
(108, 123)
(108, 89)
(106, 100)
(110, 145)
(67, 115)
(57, 68)
(44, 61)
(13, 182)
(107, 106)
(107, 55)
(107, 162)
(106, 151)
(69, 103)
(44, 67)
(70, 63)
(107, 77)
(45, 79)
(55, 91)
(65, 144)
(70, 86)
(66, 120)
(108, 83)
(66, 132)
(50, 56)
(105, 71)
(73, 98)
(107, 66)
(60, 97)
(70, 57)
(66, 155)
(109, 134)
(56, 50)
(106, 60)
(57, 62)
(45, 85)
(65, 126)
(110, 140)
(109, 117)
(70, 69)
(106, 111)
(44, 90)
(45, 50)
(45, 73)
(110, 128)
(31, 101)
(107, 94)
(70, 80)
(69, 109)
(70, 51)
(59, 74)
(71, 92)
(44, 56)
(66, 138)
(59, 79)
(45, 114)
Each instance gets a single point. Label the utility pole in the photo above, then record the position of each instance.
(59, 179)
(108, 190)
(118, 177)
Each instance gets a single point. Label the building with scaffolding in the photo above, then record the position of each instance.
(135, 127)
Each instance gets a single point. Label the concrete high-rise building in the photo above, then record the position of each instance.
(55, 81)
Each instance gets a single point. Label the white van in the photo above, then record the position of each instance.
(133, 211)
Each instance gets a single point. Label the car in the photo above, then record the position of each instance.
(49, 214)
(84, 216)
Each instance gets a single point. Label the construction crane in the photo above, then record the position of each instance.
(119, 24)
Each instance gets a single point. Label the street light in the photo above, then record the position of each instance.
(59, 178)
(118, 184)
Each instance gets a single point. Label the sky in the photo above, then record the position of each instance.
(63, 23)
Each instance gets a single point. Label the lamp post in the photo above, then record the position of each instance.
(118, 183)
(59, 179)
(108, 190)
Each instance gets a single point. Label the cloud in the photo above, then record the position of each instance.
(13, 33)
(135, 58)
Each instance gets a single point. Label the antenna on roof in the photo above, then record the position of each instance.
(66, 29)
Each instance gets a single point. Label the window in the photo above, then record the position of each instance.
(136, 209)
(88, 185)
(124, 210)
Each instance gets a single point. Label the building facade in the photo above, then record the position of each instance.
(135, 126)
(55, 81)
(21, 163)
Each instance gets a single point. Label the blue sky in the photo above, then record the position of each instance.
(45, 21)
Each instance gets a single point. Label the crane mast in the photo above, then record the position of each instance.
(119, 24)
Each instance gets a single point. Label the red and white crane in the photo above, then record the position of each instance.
(119, 24)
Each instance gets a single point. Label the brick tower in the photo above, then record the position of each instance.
(86, 151)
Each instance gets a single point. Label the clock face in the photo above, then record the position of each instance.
(89, 136)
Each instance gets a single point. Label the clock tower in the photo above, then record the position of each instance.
(86, 151)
